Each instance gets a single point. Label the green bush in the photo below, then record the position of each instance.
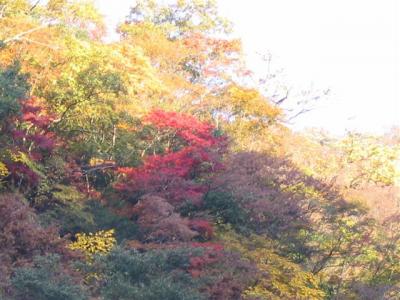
(224, 207)
(89, 216)
(13, 87)
(105, 219)
(70, 217)
(154, 275)
(46, 280)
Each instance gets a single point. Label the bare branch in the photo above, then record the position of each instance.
(101, 167)
(34, 5)
(20, 35)
(283, 99)
(303, 111)
(40, 43)
(2, 10)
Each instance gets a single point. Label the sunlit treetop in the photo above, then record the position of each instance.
(181, 17)
(371, 159)
(249, 103)
(25, 22)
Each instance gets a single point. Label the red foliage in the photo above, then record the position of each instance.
(208, 245)
(231, 275)
(166, 175)
(158, 221)
(31, 135)
(212, 253)
(254, 180)
(172, 175)
(21, 236)
(173, 178)
(35, 113)
(215, 55)
(203, 227)
(43, 141)
(20, 172)
(193, 131)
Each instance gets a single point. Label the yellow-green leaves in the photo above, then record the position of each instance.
(283, 279)
(279, 277)
(3, 170)
(90, 244)
(371, 160)
(249, 103)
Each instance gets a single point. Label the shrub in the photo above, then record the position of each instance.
(105, 219)
(21, 236)
(159, 222)
(224, 207)
(154, 275)
(90, 244)
(87, 217)
(46, 280)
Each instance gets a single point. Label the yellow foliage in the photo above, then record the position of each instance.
(250, 103)
(23, 158)
(251, 135)
(301, 188)
(359, 160)
(163, 52)
(3, 170)
(90, 244)
(312, 154)
(66, 193)
(281, 278)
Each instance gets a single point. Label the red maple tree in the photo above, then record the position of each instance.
(179, 174)
(31, 140)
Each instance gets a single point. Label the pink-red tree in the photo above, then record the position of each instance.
(32, 140)
(158, 221)
(192, 154)
(22, 237)
(177, 176)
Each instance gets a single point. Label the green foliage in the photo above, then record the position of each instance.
(89, 216)
(224, 207)
(13, 88)
(291, 209)
(23, 158)
(154, 275)
(181, 17)
(105, 219)
(63, 205)
(46, 280)
(82, 98)
(66, 194)
(372, 160)
(70, 217)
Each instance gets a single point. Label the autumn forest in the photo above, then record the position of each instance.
(153, 168)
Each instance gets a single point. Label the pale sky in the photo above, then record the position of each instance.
(351, 47)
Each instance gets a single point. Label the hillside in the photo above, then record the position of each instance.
(149, 168)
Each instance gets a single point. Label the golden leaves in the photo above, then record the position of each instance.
(280, 278)
(3, 170)
(90, 244)
(250, 103)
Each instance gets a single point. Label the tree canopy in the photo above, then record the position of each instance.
(150, 168)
